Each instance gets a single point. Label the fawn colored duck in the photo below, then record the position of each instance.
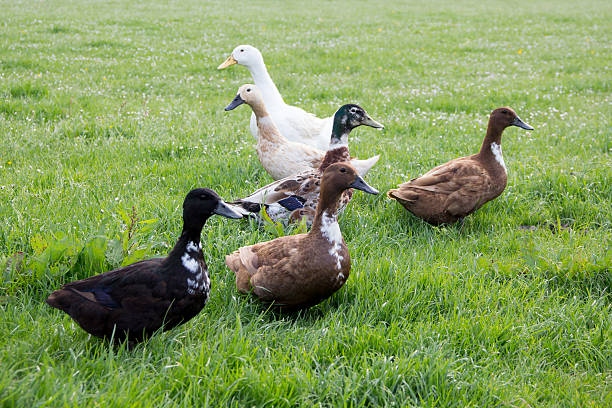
(455, 189)
(299, 271)
(279, 156)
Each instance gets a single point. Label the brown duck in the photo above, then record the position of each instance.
(451, 191)
(299, 271)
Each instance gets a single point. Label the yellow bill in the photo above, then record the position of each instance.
(228, 62)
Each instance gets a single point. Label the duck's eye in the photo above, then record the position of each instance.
(241, 50)
(249, 90)
(353, 110)
(342, 170)
(505, 112)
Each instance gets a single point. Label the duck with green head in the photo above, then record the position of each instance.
(296, 197)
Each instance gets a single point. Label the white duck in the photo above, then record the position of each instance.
(294, 123)
(279, 156)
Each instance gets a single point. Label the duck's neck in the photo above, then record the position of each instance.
(494, 134)
(338, 146)
(491, 150)
(268, 132)
(340, 133)
(188, 242)
(326, 219)
(262, 80)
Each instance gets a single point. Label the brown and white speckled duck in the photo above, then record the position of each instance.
(278, 155)
(138, 299)
(453, 190)
(295, 197)
(299, 271)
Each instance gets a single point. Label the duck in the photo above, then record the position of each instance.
(299, 271)
(453, 190)
(279, 156)
(295, 198)
(136, 300)
(294, 123)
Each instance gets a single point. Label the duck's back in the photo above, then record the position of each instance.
(289, 271)
(449, 191)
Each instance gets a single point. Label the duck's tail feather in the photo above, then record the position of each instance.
(243, 262)
(404, 197)
(363, 166)
(245, 208)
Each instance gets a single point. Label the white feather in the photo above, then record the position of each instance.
(499, 157)
(190, 264)
(331, 231)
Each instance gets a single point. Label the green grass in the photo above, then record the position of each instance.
(110, 112)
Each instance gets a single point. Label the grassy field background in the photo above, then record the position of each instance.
(111, 111)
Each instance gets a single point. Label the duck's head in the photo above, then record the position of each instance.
(248, 94)
(501, 118)
(341, 176)
(347, 118)
(200, 204)
(246, 55)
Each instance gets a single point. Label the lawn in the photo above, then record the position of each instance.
(111, 111)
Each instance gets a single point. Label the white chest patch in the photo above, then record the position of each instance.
(191, 264)
(331, 231)
(198, 282)
(192, 247)
(497, 153)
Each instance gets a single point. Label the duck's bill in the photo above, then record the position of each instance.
(518, 122)
(236, 102)
(225, 210)
(228, 62)
(360, 184)
(368, 121)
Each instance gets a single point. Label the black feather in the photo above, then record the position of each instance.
(292, 203)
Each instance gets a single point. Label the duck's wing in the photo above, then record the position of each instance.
(458, 187)
(268, 268)
(283, 196)
(132, 298)
(286, 158)
(301, 152)
(111, 289)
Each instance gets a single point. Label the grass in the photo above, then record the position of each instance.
(110, 112)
